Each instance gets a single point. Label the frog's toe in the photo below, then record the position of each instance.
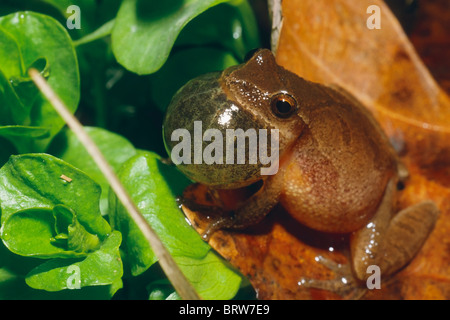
(226, 221)
(210, 218)
(344, 284)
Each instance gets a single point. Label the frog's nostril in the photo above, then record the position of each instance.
(400, 185)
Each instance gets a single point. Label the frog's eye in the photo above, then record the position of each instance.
(283, 105)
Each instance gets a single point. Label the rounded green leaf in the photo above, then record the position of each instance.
(36, 40)
(145, 30)
(34, 181)
(115, 148)
(45, 233)
(23, 136)
(231, 27)
(99, 268)
(201, 60)
(153, 186)
(211, 277)
(30, 233)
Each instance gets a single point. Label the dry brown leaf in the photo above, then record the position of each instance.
(431, 39)
(328, 42)
(275, 254)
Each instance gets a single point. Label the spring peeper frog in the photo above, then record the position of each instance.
(337, 170)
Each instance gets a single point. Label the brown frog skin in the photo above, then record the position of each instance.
(337, 170)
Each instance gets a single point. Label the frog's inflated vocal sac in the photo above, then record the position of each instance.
(337, 170)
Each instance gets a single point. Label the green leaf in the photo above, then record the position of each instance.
(38, 233)
(153, 187)
(69, 228)
(29, 233)
(29, 40)
(23, 136)
(114, 147)
(215, 40)
(10, 49)
(12, 110)
(6, 149)
(145, 30)
(103, 31)
(230, 27)
(99, 268)
(92, 13)
(211, 277)
(13, 269)
(33, 181)
(186, 64)
(20, 131)
(162, 290)
(46, 216)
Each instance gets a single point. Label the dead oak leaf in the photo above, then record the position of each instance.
(329, 42)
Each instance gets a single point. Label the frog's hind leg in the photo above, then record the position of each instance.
(406, 234)
(388, 241)
(391, 241)
(365, 250)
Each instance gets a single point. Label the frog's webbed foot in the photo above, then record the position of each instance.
(344, 284)
(245, 214)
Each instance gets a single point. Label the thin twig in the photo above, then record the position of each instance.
(174, 274)
(276, 15)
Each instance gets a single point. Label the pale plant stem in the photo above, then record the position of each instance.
(171, 269)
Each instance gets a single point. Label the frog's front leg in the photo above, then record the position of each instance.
(250, 212)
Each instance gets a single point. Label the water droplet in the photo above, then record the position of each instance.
(301, 282)
(6, 236)
(237, 32)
